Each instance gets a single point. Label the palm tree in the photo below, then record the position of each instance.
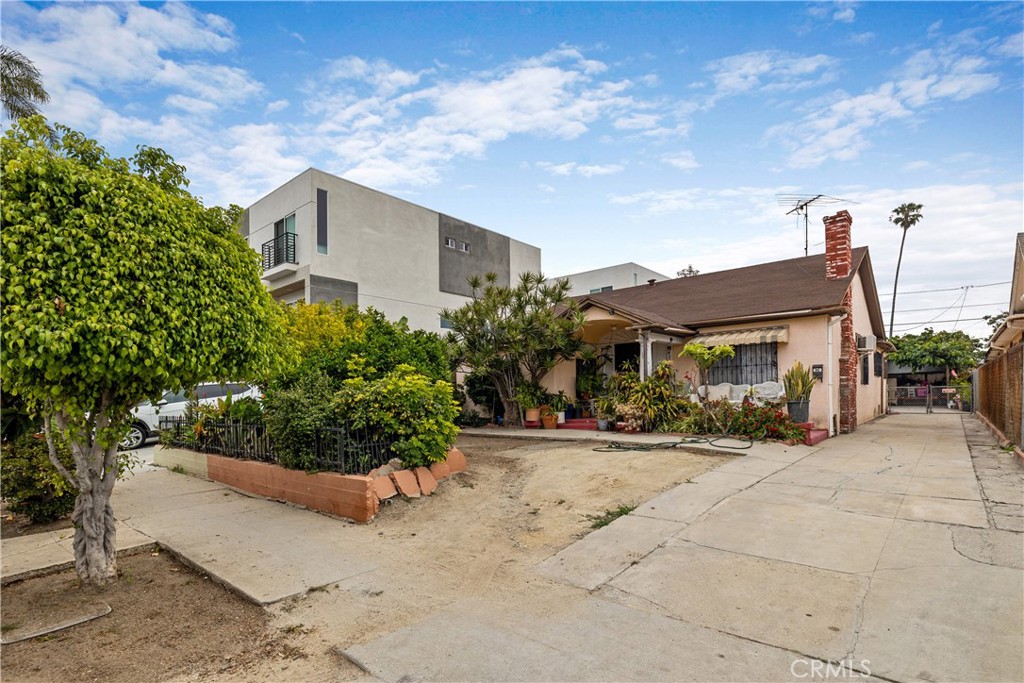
(21, 85)
(905, 216)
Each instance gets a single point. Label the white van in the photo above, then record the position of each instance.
(146, 416)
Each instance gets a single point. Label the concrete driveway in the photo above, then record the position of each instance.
(894, 552)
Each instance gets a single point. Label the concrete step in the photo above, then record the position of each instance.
(587, 423)
(815, 436)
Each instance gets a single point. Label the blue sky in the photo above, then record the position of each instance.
(600, 132)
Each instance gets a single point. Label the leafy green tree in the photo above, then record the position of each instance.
(951, 350)
(115, 284)
(21, 85)
(705, 358)
(996, 320)
(515, 335)
(905, 216)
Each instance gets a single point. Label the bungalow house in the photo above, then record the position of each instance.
(820, 310)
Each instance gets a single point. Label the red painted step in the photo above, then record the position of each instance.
(587, 423)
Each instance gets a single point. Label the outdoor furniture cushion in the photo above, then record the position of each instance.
(768, 391)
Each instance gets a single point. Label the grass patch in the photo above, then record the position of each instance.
(609, 516)
(178, 469)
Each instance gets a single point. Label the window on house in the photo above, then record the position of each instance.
(752, 364)
(464, 247)
(321, 221)
(598, 290)
(865, 368)
(878, 364)
(285, 225)
(449, 242)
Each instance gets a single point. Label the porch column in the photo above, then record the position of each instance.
(646, 354)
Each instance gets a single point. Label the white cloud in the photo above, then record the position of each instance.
(585, 170)
(684, 161)
(191, 105)
(768, 71)
(637, 122)
(410, 125)
(839, 129)
(1010, 48)
(88, 49)
(276, 106)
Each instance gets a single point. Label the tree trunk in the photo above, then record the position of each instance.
(95, 474)
(895, 283)
(95, 529)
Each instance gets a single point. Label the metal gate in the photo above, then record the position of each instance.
(929, 399)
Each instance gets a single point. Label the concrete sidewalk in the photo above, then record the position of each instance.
(878, 552)
(875, 552)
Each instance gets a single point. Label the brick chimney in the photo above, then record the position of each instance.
(837, 245)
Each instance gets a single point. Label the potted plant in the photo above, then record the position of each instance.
(549, 418)
(529, 397)
(798, 382)
(559, 404)
(605, 406)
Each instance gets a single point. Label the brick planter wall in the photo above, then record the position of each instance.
(344, 495)
(352, 496)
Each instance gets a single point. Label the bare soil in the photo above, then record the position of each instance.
(165, 620)
(477, 536)
(12, 525)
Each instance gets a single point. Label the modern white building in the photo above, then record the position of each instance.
(324, 238)
(610, 278)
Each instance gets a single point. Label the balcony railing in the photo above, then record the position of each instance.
(279, 250)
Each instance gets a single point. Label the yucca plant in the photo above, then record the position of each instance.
(798, 382)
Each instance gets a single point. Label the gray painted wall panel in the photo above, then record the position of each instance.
(488, 253)
(327, 289)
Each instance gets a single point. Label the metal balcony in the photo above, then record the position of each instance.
(279, 256)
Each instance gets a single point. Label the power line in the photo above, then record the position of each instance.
(937, 308)
(929, 322)
(950, 289)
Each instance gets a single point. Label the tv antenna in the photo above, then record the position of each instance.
(801, 203)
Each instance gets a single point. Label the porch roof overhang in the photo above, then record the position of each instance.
(755, 335)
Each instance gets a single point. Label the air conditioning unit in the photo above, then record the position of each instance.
(867, 343)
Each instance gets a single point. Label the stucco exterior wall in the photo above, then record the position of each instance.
(386, 247)
(870, 396)
(618, 277)
(807, 343)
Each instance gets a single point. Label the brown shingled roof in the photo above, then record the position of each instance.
(752, 292)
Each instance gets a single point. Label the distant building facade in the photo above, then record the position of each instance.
(610, 278)
(325, 238)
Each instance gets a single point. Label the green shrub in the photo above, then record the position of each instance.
(751, 421)
(404, 406)
(656, 401)
(29, 482)
(295, 415)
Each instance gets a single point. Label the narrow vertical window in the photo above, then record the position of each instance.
(321, 221)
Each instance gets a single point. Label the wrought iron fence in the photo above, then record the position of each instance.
(338, 449)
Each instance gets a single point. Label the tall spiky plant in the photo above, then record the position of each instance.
(905, 216)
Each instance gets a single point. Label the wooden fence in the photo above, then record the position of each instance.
(1000, 391)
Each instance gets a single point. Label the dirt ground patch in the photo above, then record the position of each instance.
(14, 525)
(166, 620)
(478, 536)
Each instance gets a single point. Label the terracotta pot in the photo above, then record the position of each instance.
(532, 414)
(549, 421)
